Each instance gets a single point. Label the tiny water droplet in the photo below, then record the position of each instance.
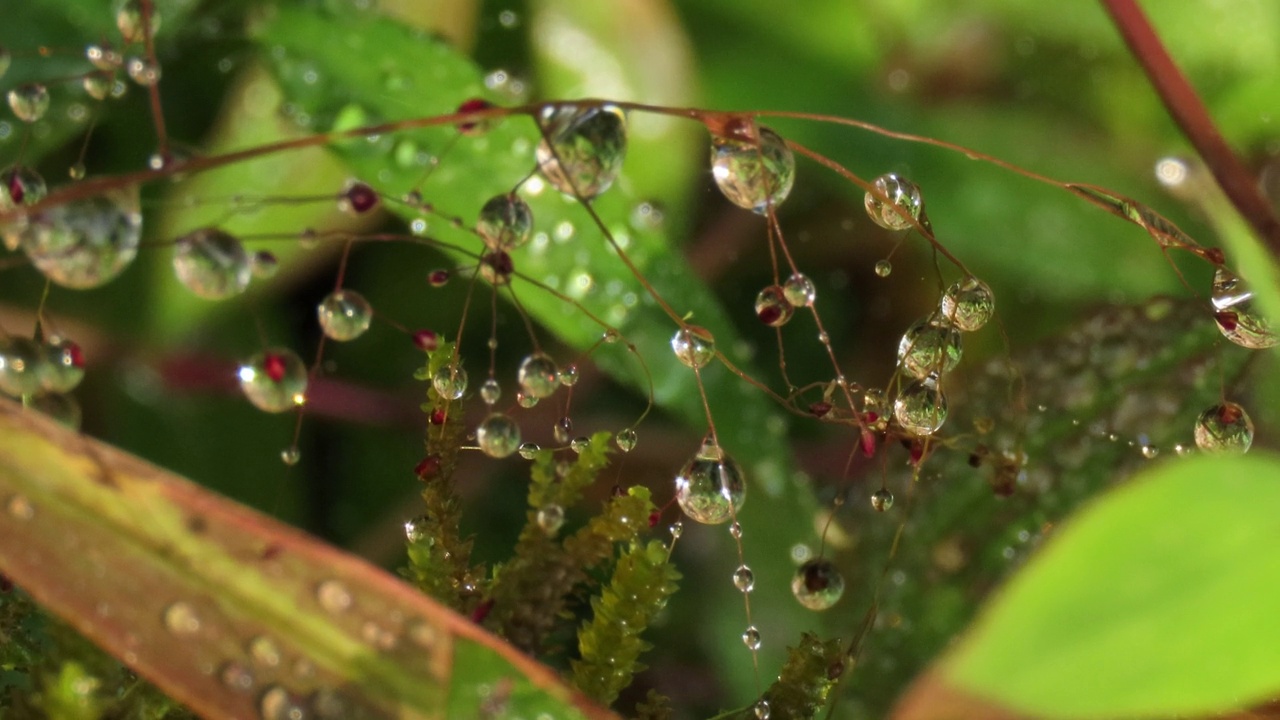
(264, 264)
(498, 435)
(755, 176)
(1224, 428)
(799, 290)
(237, 677)
(817, 584)
(450, 382)
(569, 375)
(676, 530)
(929, 348)
(77, 171)
(761, 709)
(344, 315)
(884, 268)
(751, 638)
(538, 376)
(264, 651)
(626, 440)
(212, 264)
(133, 26)
(19, 186)
(744, 579)
(529, 450)
(550, 518)
(882, 500)
(735, 530)
(20, 508)
(290, 456)
(921, 408)
(968, 304)
(98, 87)
(579, 444)
(582, 148)
(772, 307)
(29, 102)
(710, 488)
(334, 597)
(142, 71)
(1150, 452)
(490, 391)
(275, 380)
(104, 57)
(279, 704)
(181, 619)
(416, 530)
(505, 222)
(525, 400)
(694, 346)
(902, 194)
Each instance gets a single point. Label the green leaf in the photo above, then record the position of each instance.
(1145, 605)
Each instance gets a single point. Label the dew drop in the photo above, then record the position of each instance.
(1150, 452)
(237, 677)
(968, 304)
(525, 400)
(710, 488)
(579, 444)
(377, 636)
(212, 264)
(694, 346)
(1237, 318)
(754, 176)
(181, 619)
(772, 307)
(98, 87)
(19, 186)
(884, 268)
(799, 290)
(505, 222)
(264, 651)
(334, 597)
(929, 348)
(85, 243)
(279, 704)
(582, 148)
(921, 408)
(496, 267)
(902, 194)
(563, 429)
(416, 530)
(626, 440)
(882, 500)
(20, 507)
(569, 375)
(490, 391)
(744, 579)
(264, 264)
(29, 102)
(275, 380)
(529, 450)
(290, 456)
(676, 530)
(817, 584)
(1224, 428)
(131, 23)
(344, 315)
(450, 382)
(875, 409)
(735, 530)
(538, 376)
(104, 57)
(142, 71)
(751, 638)
(21, 366)
(761, 709)
(498, 436)
(550, 518)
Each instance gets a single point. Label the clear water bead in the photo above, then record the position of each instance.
(1237, 317)
(97, 86)
(968, 304)
(104, 57)
(505, 222)
(291, 456)
(626, 440)
(275, 380)
(490, 391)
(278, 703)
(921, 408)
(569, 375)
(884, 268)
(562, 429)
(761, 709)
(21, 186)
(85, 243)
(212, 264)
(21, 361)
(538, 376)
(582, 148)
(131, 23)
(817, 584)
(754, 176)
(550, 518)
(772, 307)
(929, 348)
(142, 71)
(63, 365)
(694, 346)
(882, 500)
(799, 290)
(450, 382)
(710, 488)
(264, 264)
(751, 638)
(344, 315)
(901, 194)
(529, 450)
(498, 436)
(744, 579)
(29, 102)
(1224, 428)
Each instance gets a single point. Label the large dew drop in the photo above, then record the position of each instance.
(538, 376)
(710, 487)
(968, 304)
(344, 315)
(505, 222)
(817, 584)
(29, 102)
(85, 243)
(1237, 318)
(921, 408)
(212, 264)
(694, 346)
(902, 194)
(583, 148)
(498, 436)
(755, 176)
(450, 382)
(929, 348)
(21, 361)
(275, 380)
(1224, 428)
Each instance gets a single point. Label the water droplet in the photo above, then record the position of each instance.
(344, 315)
(77, 171)
(104, 57)
(744, 579)
(772, 307)
(875, 409)
(474, 128)
(21, 361)
(761, 709)
(377, 636)
(529, 450)
(334, 597)
(626, 440)
(279, 704)
(563, 429)
(212, 264)
(578, 444)
(498, 436)
(490, 391)
(1224, 428)
(29, 102)
(694, 346)
(884, 268)
(496, 267)
(20, 508)
(751, 638)
(710, 487)
(968, 304)
(132, 25)
(264, 264)
(96, 86)
(20, 185)
(358, 198)
(416, 530)
(550, 518)
(1150, 452)
(902, 194)
(525, 400)
(505, 222)
(929, 348)
(450, 382)
(676, 530)
(142, 71)
(569, 375)
(264, 651)
(882, 500)
(237, 677)
(754, 176)
(817, 584)
(181, 619)
(291, 456)
(583, 148)
(1238, 319)
(921, 408)
(799, 290)
(85, 243)
(275, 380)
(538, 376)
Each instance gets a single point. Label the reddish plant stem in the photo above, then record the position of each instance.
(1191, 116)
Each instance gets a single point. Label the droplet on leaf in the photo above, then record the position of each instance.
(583, 148)
(498, 436)
(212, 264)
(754, 176)
(344, 315)
(550, 518)
(490, 391)
(694, 346)
(968, 304)
(901, 194)
(710, 488)
(817, 584)
(275, 380)
(1224, 428)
